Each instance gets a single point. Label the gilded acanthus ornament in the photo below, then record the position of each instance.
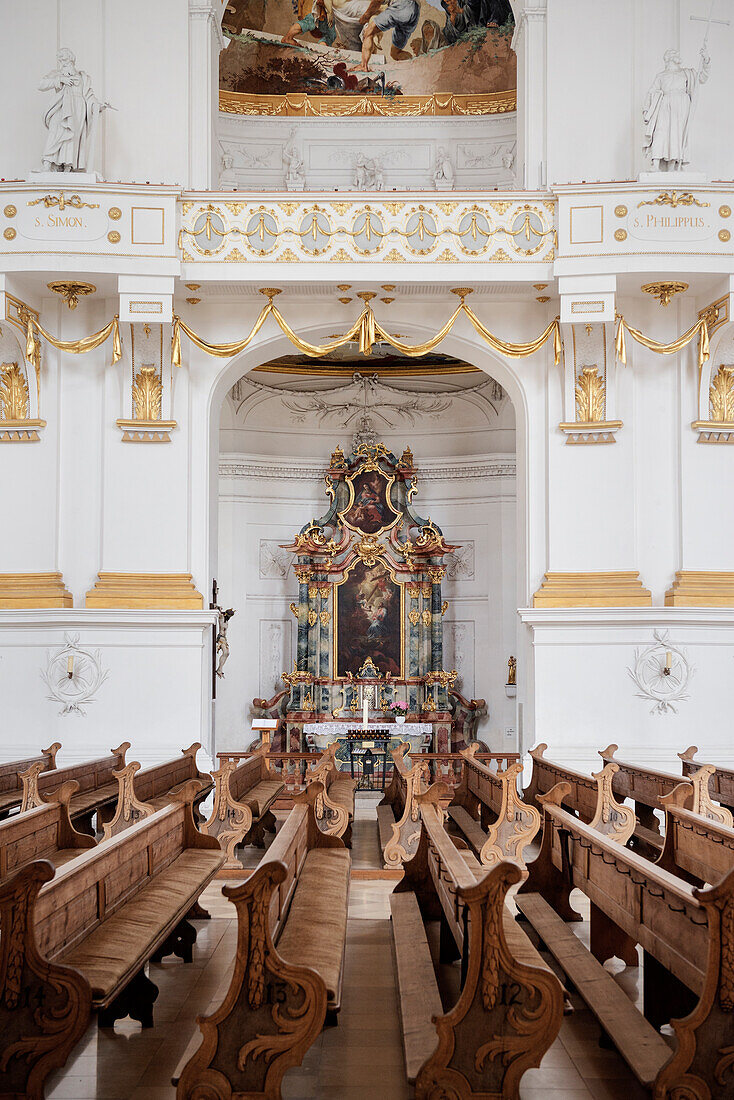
(590, 396)
(721, 395)
(147, 394)
(13, 393)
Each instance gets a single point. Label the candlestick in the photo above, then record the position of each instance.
(70, 666)
(668, 660)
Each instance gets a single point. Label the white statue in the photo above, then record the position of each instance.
(367, 174)
(295, 176)
(443, 176)
(72, 118)
(227, 176)
(668, 112)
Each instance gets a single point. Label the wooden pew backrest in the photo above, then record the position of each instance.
(90, 774)
(10, 772)
(39, 832)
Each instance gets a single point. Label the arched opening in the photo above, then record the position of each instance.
(275, 420)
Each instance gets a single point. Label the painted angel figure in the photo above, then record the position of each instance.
(71, 119)
(668, 111)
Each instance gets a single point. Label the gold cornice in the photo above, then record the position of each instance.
(623, 589)
(145, 590)
(25, 590)
(20, 431)
(338, 371)
(692, 588)
(332, 106)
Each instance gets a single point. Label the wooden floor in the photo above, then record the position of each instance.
(362, 1058)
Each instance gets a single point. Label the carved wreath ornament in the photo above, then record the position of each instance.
(73, 675)
(662, 673)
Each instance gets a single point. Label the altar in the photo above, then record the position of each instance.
(369, 617)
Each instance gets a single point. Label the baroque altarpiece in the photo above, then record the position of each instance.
(370, 609)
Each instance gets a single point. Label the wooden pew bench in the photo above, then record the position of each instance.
(645, 787)
(43, 833)
(287, 973)
(398, 819)
(546, 774)
(11, 785)
(721, 787)
(243, 798)
(697, 848)
(685, 935)
(510, 1006)
(141, 793)
(335, 807)
(489, 812)
(97, 786)
(79, 939)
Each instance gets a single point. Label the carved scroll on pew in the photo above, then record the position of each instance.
(230, 821)
(721, 787)
(11, 787)
(701, 803)
(508, 1012)
(582, 789)
(611, 819)
(406, 832)
(483, 792)
(129, 808)
(688, 932)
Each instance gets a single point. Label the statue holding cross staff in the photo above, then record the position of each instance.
(670, 106)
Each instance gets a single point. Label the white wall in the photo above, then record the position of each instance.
(602, 59)
(136, 54)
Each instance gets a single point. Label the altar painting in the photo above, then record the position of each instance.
(381, 48)
(369, 509)
(369, 620)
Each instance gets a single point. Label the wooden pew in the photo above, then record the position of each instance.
(78, 940)
(335, 806)
(287, 972)
(510, 1006)
(645, 787)
(97, 786)
(490, 813)
(243, 796)
(546, 774)
(686, 936)
(398, 818)
(11, 785)
(141, 793)
(697, 847)
(721, 787)
(43, 833)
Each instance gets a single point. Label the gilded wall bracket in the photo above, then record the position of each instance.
(589, 376)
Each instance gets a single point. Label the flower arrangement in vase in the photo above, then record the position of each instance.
(400, 710)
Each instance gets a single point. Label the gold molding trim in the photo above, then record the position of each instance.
(146, 431)
(145, 591)
(692, 588)
(328, 106)
(20, 431)
(623, 589)
(29, 590)
(592, 431)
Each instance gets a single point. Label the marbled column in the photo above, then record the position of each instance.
(440, 693)
(414, 618)
(303, 573)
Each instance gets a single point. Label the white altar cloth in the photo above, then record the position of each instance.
(419, 735)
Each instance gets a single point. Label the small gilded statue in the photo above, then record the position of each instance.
(511, 670)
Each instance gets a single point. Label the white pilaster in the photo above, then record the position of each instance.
(205, 44)
(530, 45)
